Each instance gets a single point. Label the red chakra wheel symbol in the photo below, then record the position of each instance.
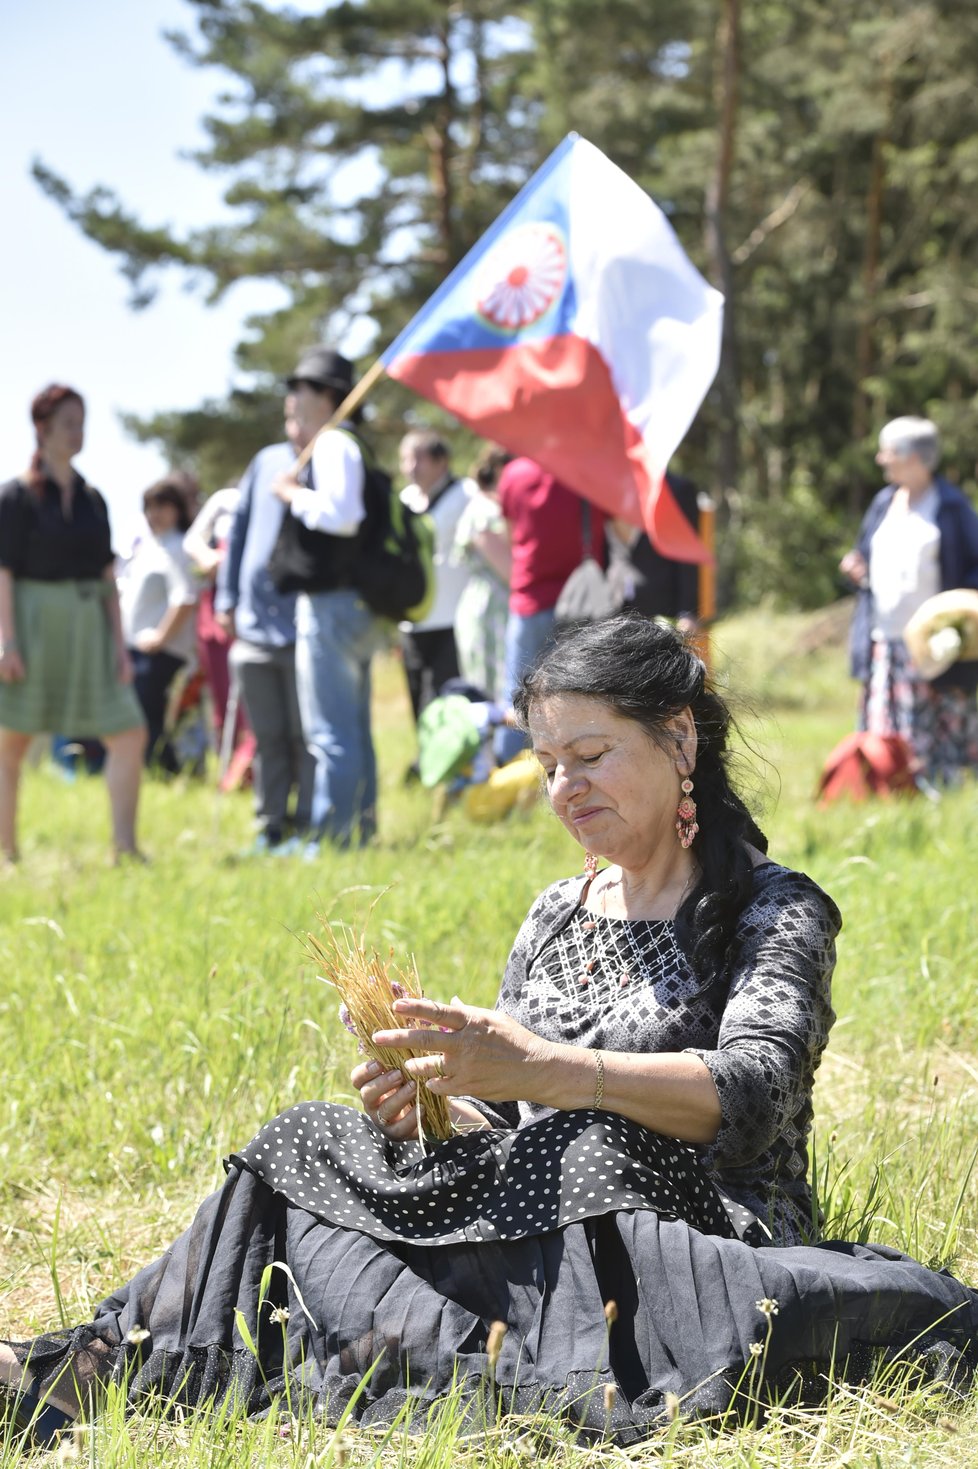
(522, 277)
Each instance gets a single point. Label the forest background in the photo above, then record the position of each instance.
(818, 160)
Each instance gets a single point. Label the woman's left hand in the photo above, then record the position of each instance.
(11, 665)
(123, 664)
(149, 640)
(480, 1053)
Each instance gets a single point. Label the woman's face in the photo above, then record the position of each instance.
(610, 784)
(161, 517)
(903, 469)
(63, 435)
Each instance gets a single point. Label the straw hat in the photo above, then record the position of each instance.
(942, 631)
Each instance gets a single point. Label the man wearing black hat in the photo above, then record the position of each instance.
(336, 633)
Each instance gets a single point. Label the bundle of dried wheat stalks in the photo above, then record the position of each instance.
(367, 986)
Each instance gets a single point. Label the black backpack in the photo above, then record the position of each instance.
(390, 560)
(394, 571)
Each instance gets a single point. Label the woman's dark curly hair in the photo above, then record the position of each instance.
(646, 671)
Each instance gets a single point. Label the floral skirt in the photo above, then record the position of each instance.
(939, 724)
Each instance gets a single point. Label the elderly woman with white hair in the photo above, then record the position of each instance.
(918, 537)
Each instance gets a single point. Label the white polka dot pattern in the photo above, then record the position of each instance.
(489, 1185)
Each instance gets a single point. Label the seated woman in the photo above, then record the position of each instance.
(633, 1121)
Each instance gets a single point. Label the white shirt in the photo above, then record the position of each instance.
(213, 523)
(450, 576)
(157, 578)
(334, 503)
(904, 563)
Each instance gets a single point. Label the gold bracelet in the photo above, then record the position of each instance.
(599, 1084)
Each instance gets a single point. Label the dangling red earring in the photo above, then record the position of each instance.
(686, 823)
(590, 867)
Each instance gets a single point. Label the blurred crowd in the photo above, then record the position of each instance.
(189, 651)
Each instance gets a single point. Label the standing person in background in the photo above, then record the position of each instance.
(918, 537)
(336, 632)
(646, 581)
(482, 547)
(260, 622)
(158, 603)
(206, 545)
(546, 541)
(63, 660)
(428, 647)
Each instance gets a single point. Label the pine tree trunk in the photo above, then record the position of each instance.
(726, 87)
(441, 155)
(865, 340)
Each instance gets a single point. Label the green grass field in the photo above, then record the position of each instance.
(151, 1018)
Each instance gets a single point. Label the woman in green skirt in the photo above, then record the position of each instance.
(63, 662)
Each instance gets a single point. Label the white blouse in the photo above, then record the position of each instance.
(904, 564)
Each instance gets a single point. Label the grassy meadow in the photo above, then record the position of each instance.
(151, 1018)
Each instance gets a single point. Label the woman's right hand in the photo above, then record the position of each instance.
(12, 668)
(389, 1098)
(853, 565)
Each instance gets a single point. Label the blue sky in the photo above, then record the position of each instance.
(97, 93)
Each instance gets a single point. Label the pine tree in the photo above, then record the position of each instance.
(366, 149)
(817, 159)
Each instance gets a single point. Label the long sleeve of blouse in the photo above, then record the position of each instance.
(776, 1020)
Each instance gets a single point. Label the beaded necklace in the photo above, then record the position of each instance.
(597, 966)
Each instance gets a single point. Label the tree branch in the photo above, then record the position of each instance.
(772, 221)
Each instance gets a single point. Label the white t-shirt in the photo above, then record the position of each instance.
(334, 503)
(213, 523)
(157, 578)
(904, 563)
(450, 575)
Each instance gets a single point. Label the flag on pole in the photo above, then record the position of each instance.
(577, 332)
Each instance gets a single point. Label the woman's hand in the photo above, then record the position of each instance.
(483, 1053)
(149, 640)
(206, 558)
(853, 565)
(12, 668)
(388, 1098)
(123, 664)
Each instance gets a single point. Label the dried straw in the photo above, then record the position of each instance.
(367, 987)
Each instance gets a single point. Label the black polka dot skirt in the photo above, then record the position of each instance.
(336, 1164)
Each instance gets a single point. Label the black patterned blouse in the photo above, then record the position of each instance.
(623, 985)
(760, 1029)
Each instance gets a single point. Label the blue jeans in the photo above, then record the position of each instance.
(336, 637)
(526, 637)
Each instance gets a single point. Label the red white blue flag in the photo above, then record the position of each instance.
(576, 332)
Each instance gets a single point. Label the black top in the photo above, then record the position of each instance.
(38, 542)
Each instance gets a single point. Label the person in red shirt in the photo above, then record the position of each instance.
(546, 535)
